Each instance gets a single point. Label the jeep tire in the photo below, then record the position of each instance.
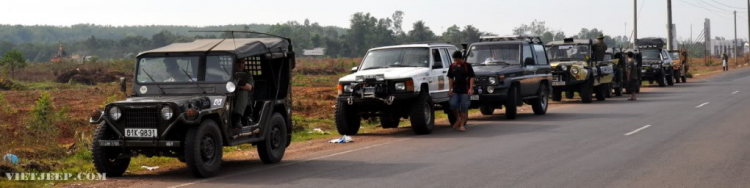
(670, 77)
(422, 115)
(347, 119)
(586, 91)
(601, 92)
(661, 80)
(106, 158)
(539, 105)
(556, 95)
(608, 90)
(203, 149)
(487, 110)
(389, 121)
(511, 103)
(676, 76)
(271, 150)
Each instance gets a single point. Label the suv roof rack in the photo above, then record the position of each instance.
(527, 38)
(428, 42)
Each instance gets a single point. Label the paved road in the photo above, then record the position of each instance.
(689, 135)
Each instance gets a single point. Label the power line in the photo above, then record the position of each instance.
(727, 5)
(709, 4)
(707, 9)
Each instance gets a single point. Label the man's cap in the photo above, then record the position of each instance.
(600, 37)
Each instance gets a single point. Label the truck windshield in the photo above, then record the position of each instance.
(568, 52)
(183, 69)
(496, 54)
(651, 54)
(398, 57)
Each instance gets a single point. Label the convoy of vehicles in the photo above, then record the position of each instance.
(657, 62)
(575, 71)
(183, 95)
(182, 100)
(510, 71)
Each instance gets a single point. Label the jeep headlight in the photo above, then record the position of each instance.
(655, 66)
(360, 78)
(563, 67)
(574, 70)
(115, 113)
(491, 89)
(231, 87)
(166, 112)
(380, 78)
(348, 88)
(493, 80)
(400, 86)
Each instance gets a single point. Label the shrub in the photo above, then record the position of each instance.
(44, 118)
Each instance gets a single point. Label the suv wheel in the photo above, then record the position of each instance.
(511, 103)
(556, 95)
(388, 121)
(661, 79)
(203, 149)
(601, 92)
(106, 158)
(347, 120)
(569, 94)
(670, 77)
(487, 109)
(586, 91)
(539, 105)
(676, 76)
(272, 149)
(608, 90)
(422, 115)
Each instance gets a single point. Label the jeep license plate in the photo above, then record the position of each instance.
(140, 133)
(559, 83)
(474, 97)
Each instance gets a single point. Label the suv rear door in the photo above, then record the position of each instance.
(438, 74)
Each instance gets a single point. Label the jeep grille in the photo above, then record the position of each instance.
(141, 117)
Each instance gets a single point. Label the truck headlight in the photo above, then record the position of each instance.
(563, 67)
(493, 80)
(348, 88)
(655, 66)
(491, 89)
(166, 112)
(400, 86)
(231, 87)
(574, 70)
(115, 113)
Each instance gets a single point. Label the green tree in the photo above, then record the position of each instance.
(13, 60)
(536, 28)
(420, 33)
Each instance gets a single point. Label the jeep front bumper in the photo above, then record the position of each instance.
(389, 100)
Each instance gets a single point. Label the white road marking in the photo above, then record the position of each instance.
(735, 92)
(701, 105)
(635, 131)
(286, 164)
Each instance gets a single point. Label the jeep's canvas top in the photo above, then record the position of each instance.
(242, 47)
(651, 41)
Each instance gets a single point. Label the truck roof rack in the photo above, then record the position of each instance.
(527, 38)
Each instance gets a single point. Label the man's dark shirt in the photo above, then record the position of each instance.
(600, 48)
(461, 75)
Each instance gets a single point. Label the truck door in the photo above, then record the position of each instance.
(529, 84)
(438, 75)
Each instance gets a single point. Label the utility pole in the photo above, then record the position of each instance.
(735, 39)
(748, 25)
(670, 38)
(635, 23)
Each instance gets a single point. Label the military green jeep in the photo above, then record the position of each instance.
(573, 70)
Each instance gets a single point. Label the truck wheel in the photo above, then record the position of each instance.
(487, 110)
(676, 76)
(539, 105)
(203, 149)
(556, 95)
(271, 150)
(608, 90)
(347, 120)
(106, 158)
(586, 91)
(388, 121)
(422, 115)
(670, 78)
(511, 103)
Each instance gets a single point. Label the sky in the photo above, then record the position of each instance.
(614, 17)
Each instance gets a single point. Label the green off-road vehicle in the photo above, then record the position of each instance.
(183, 99)
(573, 70)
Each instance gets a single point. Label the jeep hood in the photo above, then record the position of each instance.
(496, 69)
(389, 73)
(566, 63)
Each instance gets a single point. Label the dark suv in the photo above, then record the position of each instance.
(510, 70)
(183, 97)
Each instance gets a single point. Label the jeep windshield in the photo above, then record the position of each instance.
(397, 57)
(568, 52)
(184, 69)
(495, 54)
(651, 54)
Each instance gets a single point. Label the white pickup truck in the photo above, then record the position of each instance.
(394, 82)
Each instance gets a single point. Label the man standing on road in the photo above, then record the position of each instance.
(600, 48)
(461, 78)
(725, 61)
(631, 69)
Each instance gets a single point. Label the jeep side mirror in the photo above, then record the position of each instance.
(123, 86)
(529, 61)
(354, 69)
